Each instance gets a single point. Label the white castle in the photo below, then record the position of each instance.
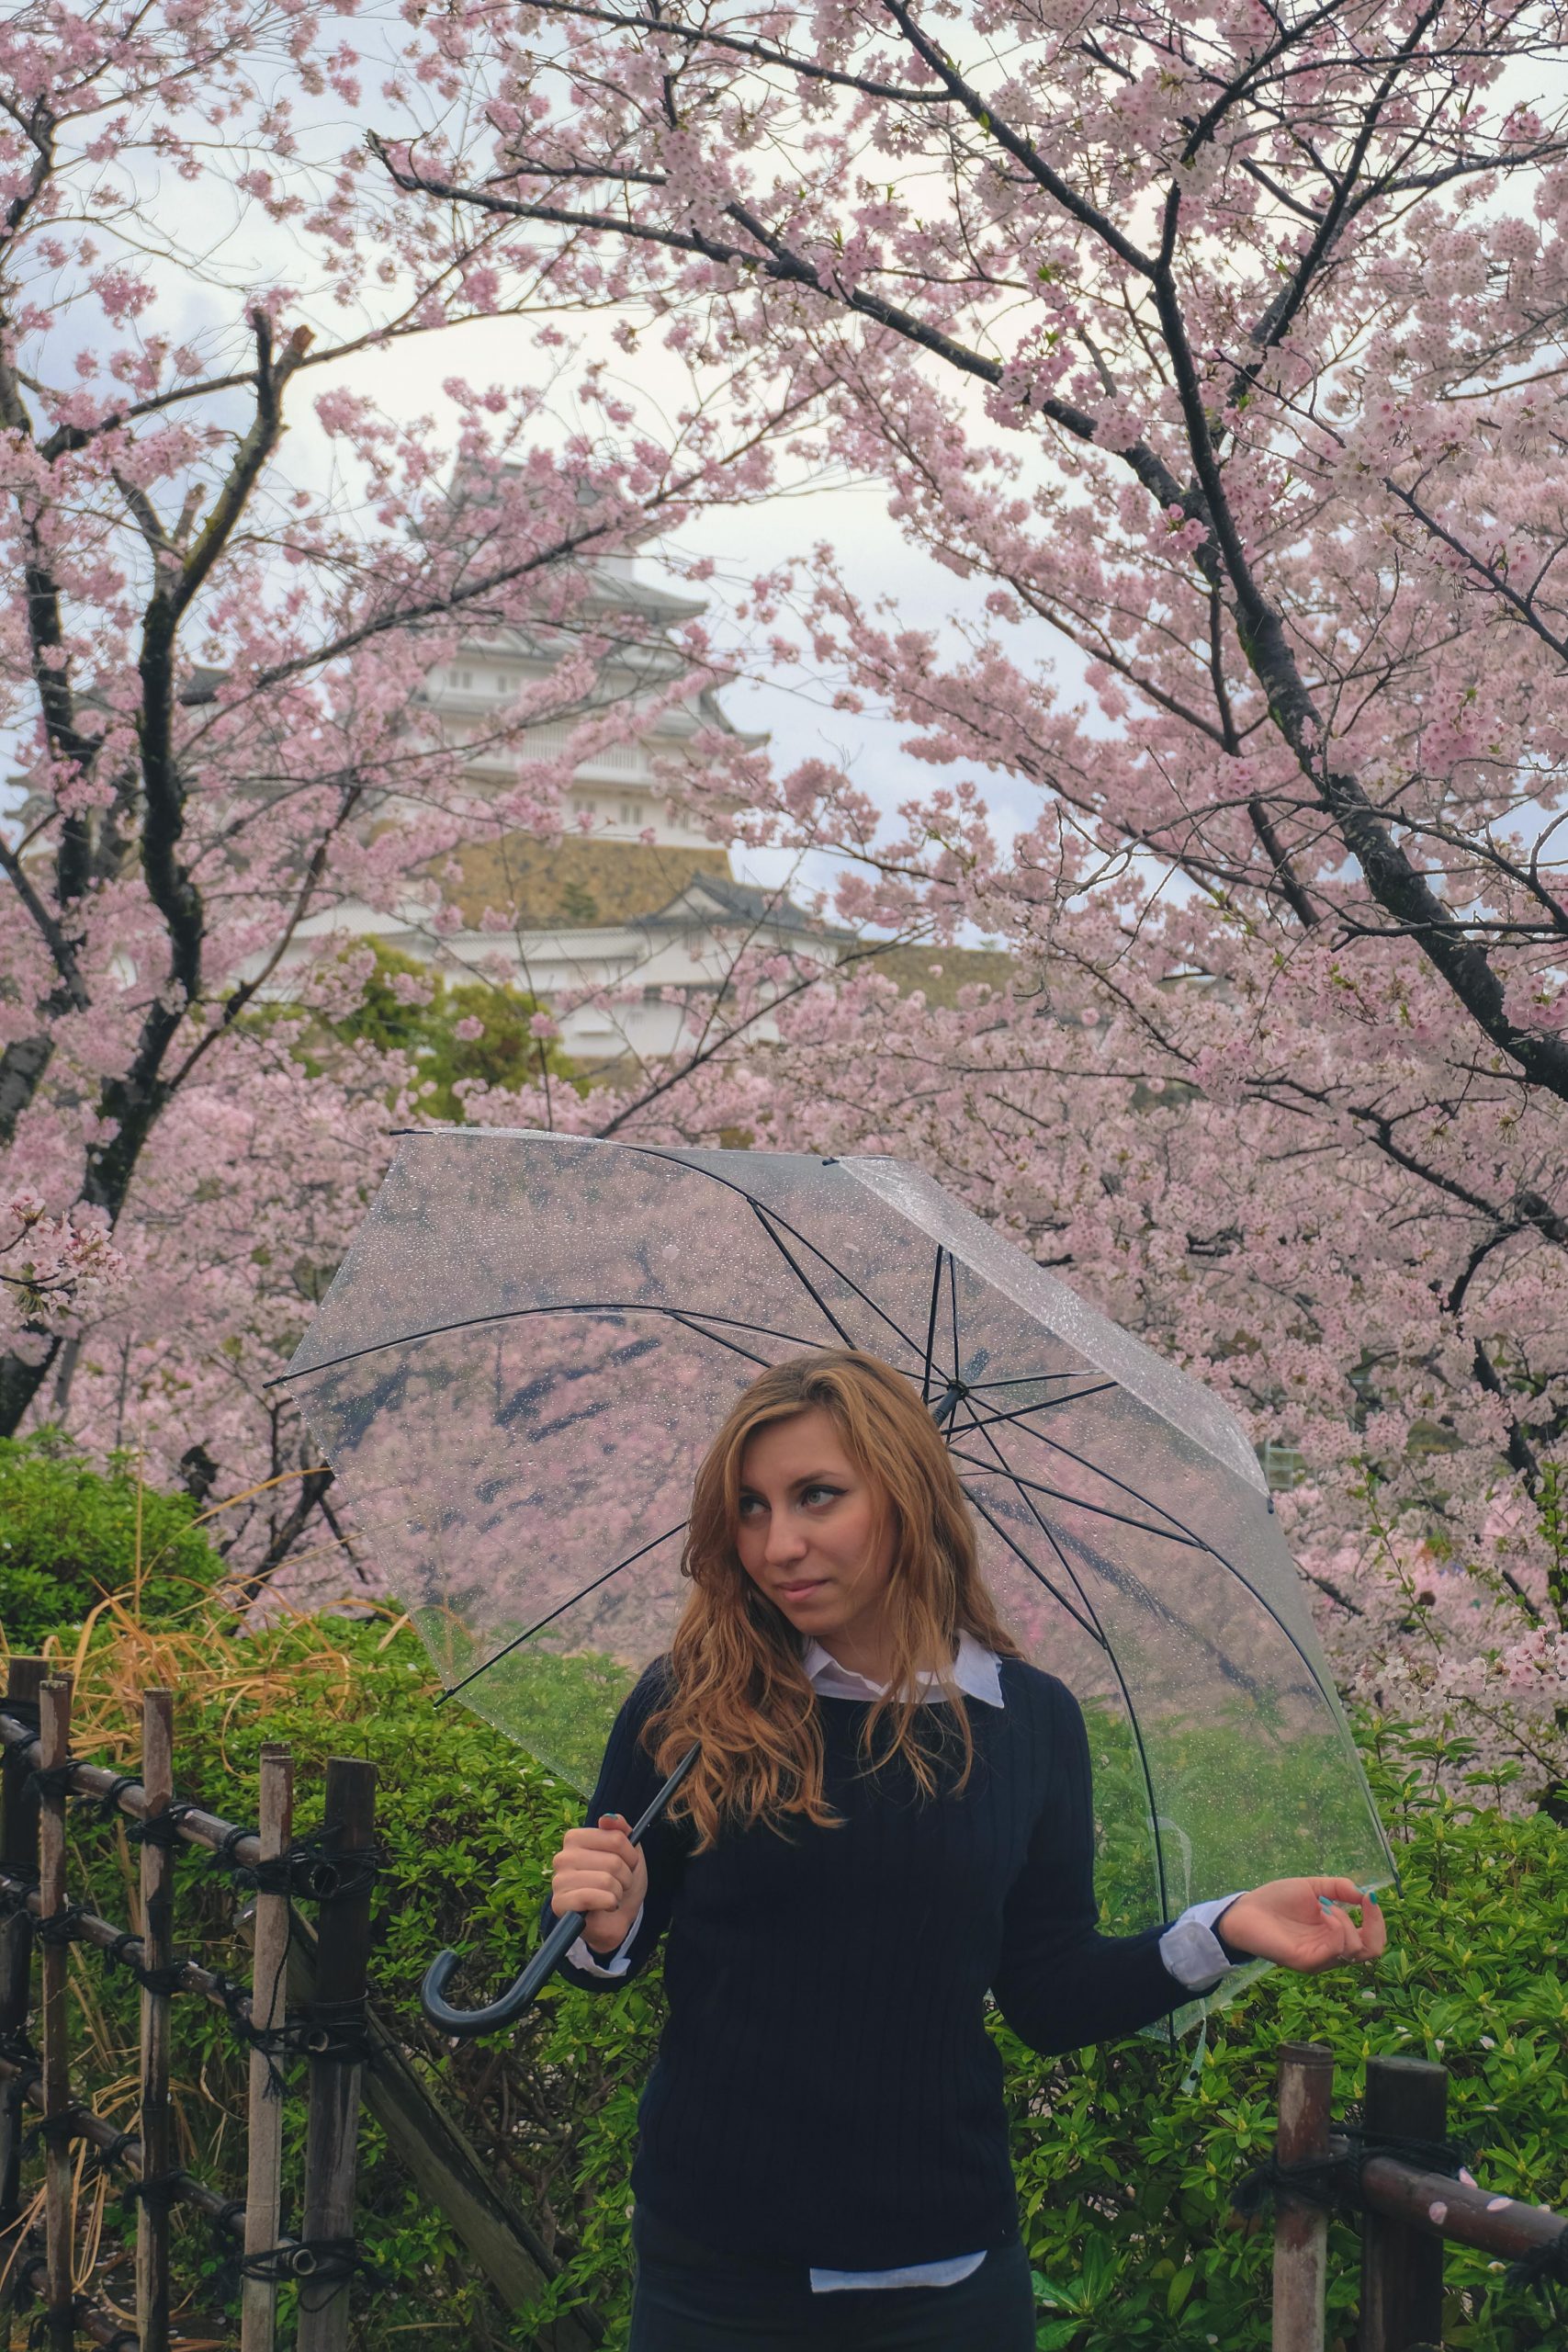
(607, 907)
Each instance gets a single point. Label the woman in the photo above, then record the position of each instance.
(858, 1856)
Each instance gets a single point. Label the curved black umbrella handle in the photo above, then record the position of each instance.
(510, 2006)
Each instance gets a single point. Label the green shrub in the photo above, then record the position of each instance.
(71, 1535)
(1125, 2162)
(1125, 2167)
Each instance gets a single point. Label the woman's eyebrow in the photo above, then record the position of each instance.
(798, 1486)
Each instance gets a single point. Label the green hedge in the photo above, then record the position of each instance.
(1124, 2170)
(69, 1536)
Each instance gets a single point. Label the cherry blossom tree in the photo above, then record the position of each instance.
(1221, 358)
(215, 635)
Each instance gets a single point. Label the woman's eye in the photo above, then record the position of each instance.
(821, 1494)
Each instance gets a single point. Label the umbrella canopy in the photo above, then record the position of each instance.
(533, 1338)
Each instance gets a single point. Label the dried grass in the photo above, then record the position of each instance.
(205, 1654)
(228, 1670)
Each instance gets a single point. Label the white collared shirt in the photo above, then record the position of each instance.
(1189, 1947)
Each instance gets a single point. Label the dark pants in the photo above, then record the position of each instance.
(689, 2299)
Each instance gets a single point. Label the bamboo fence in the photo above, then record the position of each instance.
(1397, 2172)
(327, 2026)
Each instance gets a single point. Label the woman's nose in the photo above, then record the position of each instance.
(785, 1542)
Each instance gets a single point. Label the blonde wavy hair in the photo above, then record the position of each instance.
(739, 1686)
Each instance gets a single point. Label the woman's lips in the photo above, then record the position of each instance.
(801, 1591)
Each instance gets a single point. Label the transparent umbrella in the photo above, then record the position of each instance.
(533, 1338)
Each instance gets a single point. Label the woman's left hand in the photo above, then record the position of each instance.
(1304, 1923)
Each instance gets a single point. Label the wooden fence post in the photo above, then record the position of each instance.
(449, 2172)
(342, 1955)
(156, 2127)
(1402, 2269)
(1301, 2230)
(19, 1860)
(269, 2008)
(54, 1745)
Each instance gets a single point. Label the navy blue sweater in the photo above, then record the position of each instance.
(825, 2089)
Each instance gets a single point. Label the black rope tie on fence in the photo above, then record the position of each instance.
(62, 1926)
(324, 2261)
(1541, 2264)
(51, 2317)
(109, 1804)
(163, 1829)
(14, 1899)
(225, 2221)
(116, 2149)
(225, 1854)
(311, 1871)
(270, 2040)
(64, 2127)
(158, 2189)
(236, 1999)
(52, 1780)
(337, 2029)
(17, 2050)
(168, 1977)
(1334, 2182)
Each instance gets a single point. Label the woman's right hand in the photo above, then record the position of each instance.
(601, 1873)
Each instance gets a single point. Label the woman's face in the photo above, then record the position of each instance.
(808, 1532)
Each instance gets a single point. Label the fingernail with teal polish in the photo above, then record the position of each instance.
(1325, 1903)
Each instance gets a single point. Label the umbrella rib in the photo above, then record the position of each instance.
(1128, 1582)
(1187, 1541)
(689, 1321)
(931, 1326)
(1059, 1494)
(1049, 1404)
(1185, 1538)
(799, 1272)
(1040, 1521)
(1093, 1628)
(1231, 1672)
(952, 1304)
(1110, 1477)
(1026, 1380)
(518, 1641)
(1113, 1574)
(1003, 1470)
(514, 1313)
(1185, 1535)
(770, 1218)
(1086, 1624)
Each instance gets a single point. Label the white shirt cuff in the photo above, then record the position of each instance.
(1191, 1950)
(581, 1956)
